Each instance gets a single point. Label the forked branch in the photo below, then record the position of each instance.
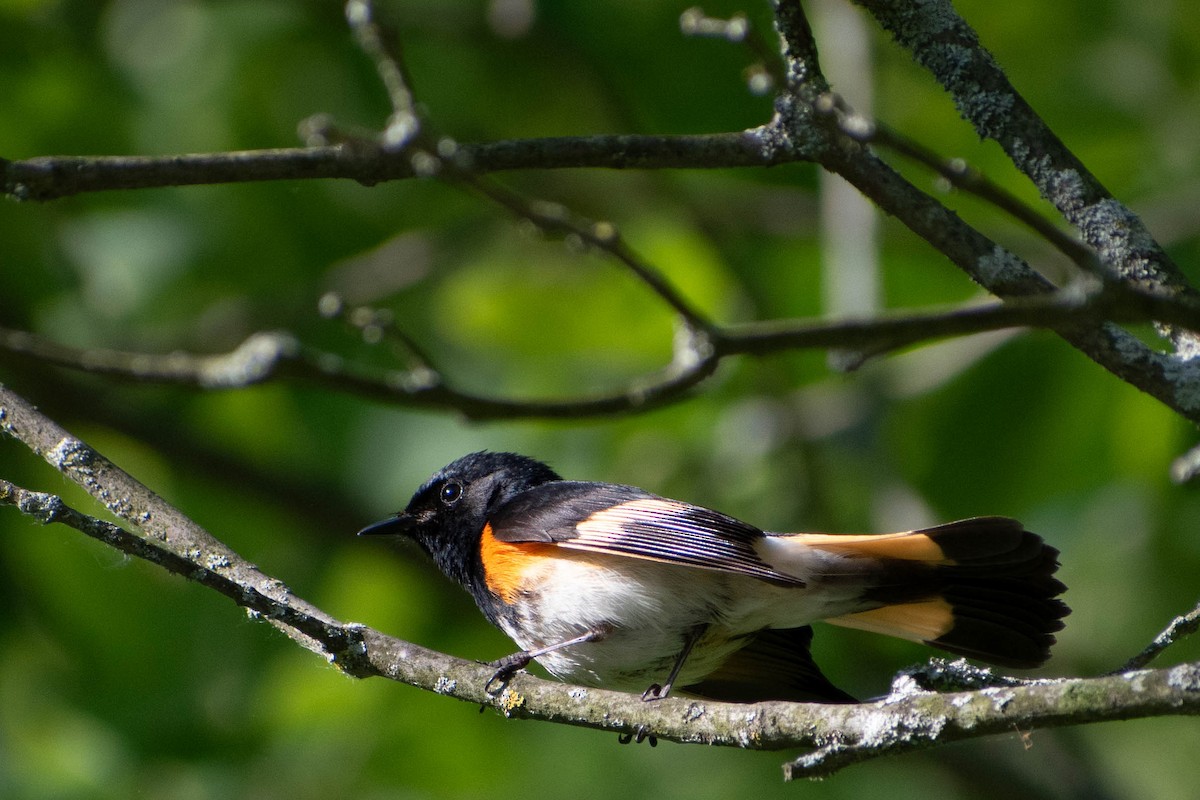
(834, 735)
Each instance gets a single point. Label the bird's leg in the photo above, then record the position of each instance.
(507, 667)
(657, 692)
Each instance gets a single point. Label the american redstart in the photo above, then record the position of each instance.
(610, 585)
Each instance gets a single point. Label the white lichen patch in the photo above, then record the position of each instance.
(879, 727)
(71, 454)
(903, 687)
(950, 61)
(999, 266)
(989, 112)
(216, 561)
(1063, 187)
(1187, 348)
(747, 737)
(43, 507)
(1185, 677)
(924, 20)
(274, 588)
(1137, 680)
(1115, 231)
(1182, 371)
(999, 697)
(252, 361)
(445, 685)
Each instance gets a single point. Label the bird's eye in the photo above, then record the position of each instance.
(451, 492)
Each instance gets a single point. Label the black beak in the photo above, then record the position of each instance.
(398, 525)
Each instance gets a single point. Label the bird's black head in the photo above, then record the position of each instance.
(447, 514)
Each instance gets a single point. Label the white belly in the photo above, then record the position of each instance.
(652, 609)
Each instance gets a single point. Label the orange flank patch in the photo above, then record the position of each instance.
(903, 546)
(505, 563)
(922, 621)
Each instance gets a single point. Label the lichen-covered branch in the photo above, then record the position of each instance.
(960, 175)
(1127, 253)
(799, 132)
(834, 736)
(943, 42)
(921, 721)
(1139, 284)
(1182, 626)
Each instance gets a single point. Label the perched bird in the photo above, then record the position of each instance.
(610, 585)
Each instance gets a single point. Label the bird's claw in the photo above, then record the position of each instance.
(637, 736)
(505, 668)
(654, 692)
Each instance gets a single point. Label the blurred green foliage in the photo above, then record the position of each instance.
(117, 680)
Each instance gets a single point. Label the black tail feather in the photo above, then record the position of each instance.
(997, 581)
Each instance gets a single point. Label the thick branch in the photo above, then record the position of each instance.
(840, 734)
(919, 722)
(1172, 379)
(170, 538)
(942, 42)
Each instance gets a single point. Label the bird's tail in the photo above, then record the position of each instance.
(982, 588)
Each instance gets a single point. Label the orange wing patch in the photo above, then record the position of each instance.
(505, 563)
(907, 546)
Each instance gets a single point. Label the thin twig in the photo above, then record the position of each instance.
(959, 174)
(376, 325)
(384, 49)
(1180, 627)
(279, 356)
(275, 356)
(219, 572)
(604, 236)
(958, 675)
(738, 30)
(53, 177)
(548, 217)
(805, 81)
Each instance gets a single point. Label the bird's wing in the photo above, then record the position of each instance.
(626, 521)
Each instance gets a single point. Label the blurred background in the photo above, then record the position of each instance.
(118, 680)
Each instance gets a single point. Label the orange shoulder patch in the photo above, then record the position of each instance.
(505, 563)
